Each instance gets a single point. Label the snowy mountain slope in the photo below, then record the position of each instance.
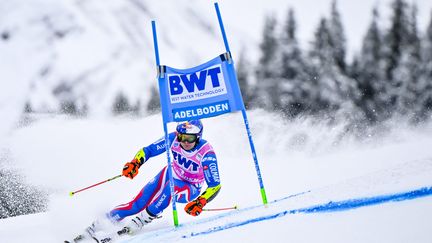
(88, 52)
(62, 154)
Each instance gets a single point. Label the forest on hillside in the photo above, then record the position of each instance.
(391, 76)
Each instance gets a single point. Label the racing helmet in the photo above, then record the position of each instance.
(192, 127)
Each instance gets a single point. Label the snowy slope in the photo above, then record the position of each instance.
(308, 162)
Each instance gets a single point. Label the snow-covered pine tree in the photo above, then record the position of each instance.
(66, 98)
(320, 54)
(425, 81)
(338, 39)
(353, 70)
(406, 74)
(333, 91)
(371, 75)
(153, 104)
(396, 40)
(243, 68)
(268, 69)
(295, 88)
(121, 104)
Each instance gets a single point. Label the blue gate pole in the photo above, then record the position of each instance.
(245, 119)
(173, 195)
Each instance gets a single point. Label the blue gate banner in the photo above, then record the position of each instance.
(208, 90)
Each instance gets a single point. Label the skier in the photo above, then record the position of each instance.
(194, 162)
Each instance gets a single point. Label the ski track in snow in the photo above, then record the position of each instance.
(364, 185)
(329, 207)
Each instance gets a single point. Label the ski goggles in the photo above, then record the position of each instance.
(190, 138)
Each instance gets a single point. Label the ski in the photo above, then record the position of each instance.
(113, 236)
(78, 238)
(106, 239)
(81, 237)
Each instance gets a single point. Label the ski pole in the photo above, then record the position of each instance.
(220, 209)
(97, 184)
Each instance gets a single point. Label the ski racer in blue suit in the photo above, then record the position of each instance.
(194, 163)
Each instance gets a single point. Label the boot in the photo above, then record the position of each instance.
(137, 222)
(101, 223)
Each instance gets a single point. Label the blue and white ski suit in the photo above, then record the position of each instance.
(190, 170)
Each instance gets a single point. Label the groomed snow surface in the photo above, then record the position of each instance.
(323, 184)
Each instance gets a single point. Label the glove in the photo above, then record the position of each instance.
(130, 169)
(195, 207)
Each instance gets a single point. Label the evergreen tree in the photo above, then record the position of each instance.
(332, 90)
(295, 89)
(268, 48)
(338, 39)
(153, 105)
(67, 100)
(121, 104)
(408, 71)
(354, 70)
(68, 107)
(28, 107)
(267, 72)
(371, 77)
(396, 38)
(243, 77)
(321, 49)
(425, 83)
(136, 109)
